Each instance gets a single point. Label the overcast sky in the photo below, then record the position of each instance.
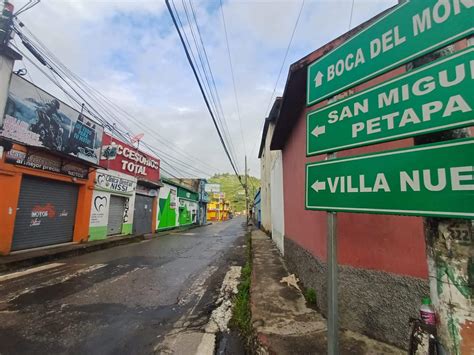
(130, 51)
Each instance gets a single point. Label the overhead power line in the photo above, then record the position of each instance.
(286, 55)
(113, 107)
(45, 59)
(267, 111)
(207, 80)
(191, 63)
(233, 77)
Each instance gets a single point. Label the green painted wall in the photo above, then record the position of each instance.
(127, 228)
(166, 214)
(184, 216)
(100, 233)
(97, 233)
(188, 194)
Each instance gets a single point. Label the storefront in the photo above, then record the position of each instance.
(112, 204)
(168, 211)
(188, 206)
(144, 170)
(42, 195)
(145, 209)
(48, 152)
(178, 206)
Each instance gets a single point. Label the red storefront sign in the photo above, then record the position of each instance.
(122, 157)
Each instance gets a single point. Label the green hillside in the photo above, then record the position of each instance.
(234, 192)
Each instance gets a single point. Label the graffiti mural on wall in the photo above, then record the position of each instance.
(35, 118)
(167, 207)
(187, 212)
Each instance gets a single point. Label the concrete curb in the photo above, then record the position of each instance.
(17, 261)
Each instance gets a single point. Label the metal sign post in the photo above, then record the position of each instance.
(333, 314)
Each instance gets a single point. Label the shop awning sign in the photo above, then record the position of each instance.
(438, 96)
(429, 180)
(410, 30)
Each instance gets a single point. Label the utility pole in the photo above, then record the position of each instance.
(246, 192)
(7, 57)
(450, 259)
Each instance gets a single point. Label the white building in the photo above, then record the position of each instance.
(271, 175)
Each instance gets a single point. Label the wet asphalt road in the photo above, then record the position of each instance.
(132, 299)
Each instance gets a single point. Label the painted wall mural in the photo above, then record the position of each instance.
(35, 118)
(167, 207)
(187, 212)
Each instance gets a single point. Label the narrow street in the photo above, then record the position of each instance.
(133, 299)
(232, 177)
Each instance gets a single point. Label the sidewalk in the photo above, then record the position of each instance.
(283, 323)
(36, 256)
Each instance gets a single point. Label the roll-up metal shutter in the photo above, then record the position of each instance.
(46, 213)
(143, 216)
(116, 210)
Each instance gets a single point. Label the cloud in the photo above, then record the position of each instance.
(130, 52)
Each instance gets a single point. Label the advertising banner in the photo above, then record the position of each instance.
(33, 117)
(212, 187)
(123, 157)
(115, 182)
(46, 162)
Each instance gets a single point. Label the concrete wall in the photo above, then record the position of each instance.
(377, 253)
(266, 162)
(372, 302)
(277, 202)
(168, 212)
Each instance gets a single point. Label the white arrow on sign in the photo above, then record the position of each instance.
(318, 79)
(319, 185)
(318, 130)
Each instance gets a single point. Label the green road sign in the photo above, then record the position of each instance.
(435, 97)
(429, 180)
(410, 30)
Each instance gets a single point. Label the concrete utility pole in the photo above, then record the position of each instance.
(450, 257)
(7, 55)
(246, 192)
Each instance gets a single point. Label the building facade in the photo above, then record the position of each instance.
(113, 204)
(257, 208)
(218, 208)
(177, 206)
(48, 155)
(383, 272)
(198, 185)
(140, 170)
(271, 172)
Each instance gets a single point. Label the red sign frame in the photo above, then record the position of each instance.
(125, 158)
